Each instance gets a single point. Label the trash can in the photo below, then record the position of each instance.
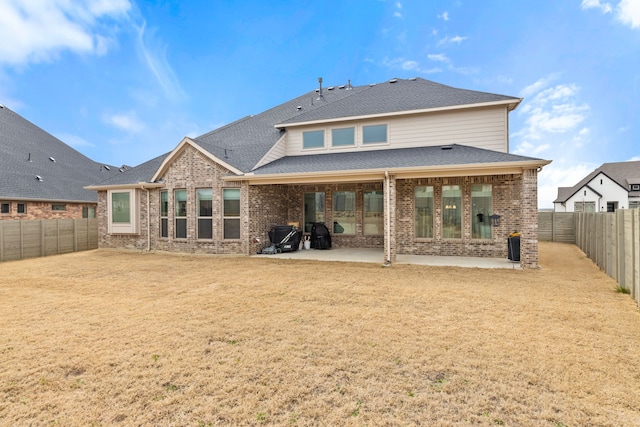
(513, 245)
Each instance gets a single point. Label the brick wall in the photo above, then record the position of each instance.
(514, 199)
(43, 210)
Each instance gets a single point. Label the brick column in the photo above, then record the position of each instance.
(389, 188)
(529, 237)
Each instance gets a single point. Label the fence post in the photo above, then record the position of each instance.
(75, 235)
(1, 242)
(42, 238)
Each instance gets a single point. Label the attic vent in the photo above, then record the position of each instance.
(331, 88)
(52, 159)
(106, 167)
(372, 84)
(393, 80)
(341, 87)
(1, 106)
(299, 107)
(447, 147)
(413, 79)
(122, 169)
(39, 178)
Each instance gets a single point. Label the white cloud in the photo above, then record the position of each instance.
(438, 57)
(127, 122)
(444, 16)
(596, 4)
(409, 65)
(397, 13)
(155, 57)
(559, 174)
(629, 13)
(39, 30)
(451, 40)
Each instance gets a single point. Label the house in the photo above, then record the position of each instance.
(408, 166)
(40, 176)
(610, 187)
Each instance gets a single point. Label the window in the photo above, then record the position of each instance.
(634, 204)
(584, 206)
(204, 198)
(424, 212)
(313, 209)
(58, 207)
(5, 208)
(612, 206)
(313, 139)
(481, 209)
(343, 137)
(231, 213)
(376, 134)
(451, 212)
(164, 214)
(122, 207)
(88, 212)
(635, 187)
(344, 212)
(373, 213)
(181, 213)
(22, 208)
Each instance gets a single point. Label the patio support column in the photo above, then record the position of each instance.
(389, 219)
(529, 237)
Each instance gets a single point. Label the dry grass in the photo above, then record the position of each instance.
(110, 338)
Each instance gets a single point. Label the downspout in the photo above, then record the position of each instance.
(387, 226)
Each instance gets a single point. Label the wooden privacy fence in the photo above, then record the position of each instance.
(612, 241)
(556, 227)
(36, 238)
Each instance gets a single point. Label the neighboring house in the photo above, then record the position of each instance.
(40, 176)
(407, 166)
(610, 187)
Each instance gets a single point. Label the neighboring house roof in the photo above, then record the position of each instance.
(242, 145)
(28, 152)
(621, 173)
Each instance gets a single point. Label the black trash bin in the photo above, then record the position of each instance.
(513, 244)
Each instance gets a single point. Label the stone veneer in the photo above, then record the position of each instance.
(263, 206)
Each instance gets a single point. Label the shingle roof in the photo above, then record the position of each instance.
(140, 173)
(623, 173)
(398, 95)
(243, 143)
(393, 158)
(27, 151)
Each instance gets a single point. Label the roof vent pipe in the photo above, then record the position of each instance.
(320, 83)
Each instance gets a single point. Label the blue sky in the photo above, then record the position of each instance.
(123, 81)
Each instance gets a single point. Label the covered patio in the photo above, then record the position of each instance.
(375, 255)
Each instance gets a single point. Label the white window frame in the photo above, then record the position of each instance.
(315, 131)
(134, 222)
(369, 144)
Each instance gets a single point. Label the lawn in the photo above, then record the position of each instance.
(126, 338)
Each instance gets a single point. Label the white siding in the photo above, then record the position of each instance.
(276, 152)
(611, 192)
(480, 127)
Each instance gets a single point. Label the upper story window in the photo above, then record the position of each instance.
(313, 139)
(343, 137)
(374, 134)
(635, 187)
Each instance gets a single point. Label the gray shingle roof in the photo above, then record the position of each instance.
(26, 152)
(393, 158)
(623, 173)
(242, 144)
(399, 96)
(140, 173)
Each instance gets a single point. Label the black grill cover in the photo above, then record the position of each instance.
(320, 237)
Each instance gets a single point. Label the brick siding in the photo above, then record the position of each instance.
(43, 210)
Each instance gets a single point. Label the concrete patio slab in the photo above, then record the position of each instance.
(377, 256)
